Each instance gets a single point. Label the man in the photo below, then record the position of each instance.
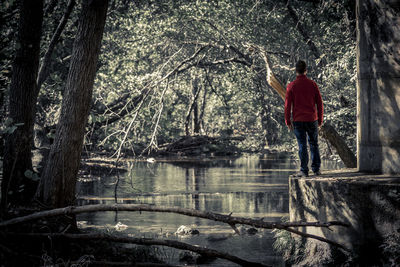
(304, 102)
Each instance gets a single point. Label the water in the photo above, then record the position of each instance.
(253, 186)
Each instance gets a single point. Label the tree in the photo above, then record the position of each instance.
(16, 187)
(57, 185)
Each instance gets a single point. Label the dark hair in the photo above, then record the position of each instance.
(301, 67)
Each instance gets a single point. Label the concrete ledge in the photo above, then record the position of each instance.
(369, 203)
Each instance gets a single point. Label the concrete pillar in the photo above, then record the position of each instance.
(378, 85)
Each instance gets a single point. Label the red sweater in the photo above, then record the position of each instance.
(303, 99)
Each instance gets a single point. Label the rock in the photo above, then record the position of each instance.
(186, 230)
(252, 231)
(249, 231)
(81, 224)
(195, 232)
(120, 227)
(151, 160)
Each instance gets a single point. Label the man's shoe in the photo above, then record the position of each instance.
(317, 173)
(301, 174)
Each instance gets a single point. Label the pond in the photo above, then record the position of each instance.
(253, 186)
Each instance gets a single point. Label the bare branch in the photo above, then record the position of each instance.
(176, 69)
(203, 64)
(222, 97)
(122, 110)
(118, 152)
(154, 134)
(132, 103)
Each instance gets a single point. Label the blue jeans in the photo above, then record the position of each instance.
(302, 129)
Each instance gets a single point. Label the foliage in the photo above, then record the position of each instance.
(146, 42)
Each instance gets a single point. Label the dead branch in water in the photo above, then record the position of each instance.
(146, 242)
(231, 220)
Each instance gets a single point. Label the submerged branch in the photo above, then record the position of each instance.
(231, 220)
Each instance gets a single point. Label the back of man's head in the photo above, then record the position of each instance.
(301, 67)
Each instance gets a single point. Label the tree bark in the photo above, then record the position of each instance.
(16, 188)
(196, 119)
(57, 186)
(348, 157)
(202, 110)
(193, 104)
(269, 128)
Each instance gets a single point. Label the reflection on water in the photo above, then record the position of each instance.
(250, 186)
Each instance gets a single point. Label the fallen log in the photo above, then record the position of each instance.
(329, 133)
(230, 220)
(197, 144)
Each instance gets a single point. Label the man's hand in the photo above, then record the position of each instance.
(290, 127)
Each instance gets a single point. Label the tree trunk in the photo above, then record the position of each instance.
(329, 133)
(16, 188)
(202, 111)
(269, 129)
(195, 93)
(196, 119)
(57, 186)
